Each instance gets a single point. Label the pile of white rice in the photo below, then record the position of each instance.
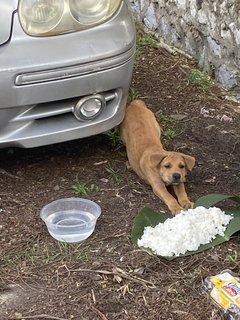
(185, 232)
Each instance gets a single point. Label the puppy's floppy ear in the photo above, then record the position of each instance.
(151, 159)
(156, 158)
(189, 161)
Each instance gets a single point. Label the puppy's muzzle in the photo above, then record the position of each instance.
(176, 177)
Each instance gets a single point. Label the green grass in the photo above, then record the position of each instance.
(133, 94)
(75, 252)
(201, 79)
(142, 40)
(113, 174)
(233, 257)
(83, 188)
(166, 123)
(44, 254)
(114, 134)
(168, 134)
(114, 137)
(163, 117)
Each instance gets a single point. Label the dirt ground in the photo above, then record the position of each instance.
(106, 277)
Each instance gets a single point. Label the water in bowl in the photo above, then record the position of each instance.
(71, 226)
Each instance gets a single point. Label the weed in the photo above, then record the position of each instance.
(168, 132)
(143, 40)
(201, 79)
(163, 117)
(114, 137)
(63, 248)
(233, 257)
(133, 94)
(66, 250)
(29, 254)
(8, 261)
(114, 134)
(50, 258)
(43, 254)
(83, 189)
(83, 254)
(113, 173)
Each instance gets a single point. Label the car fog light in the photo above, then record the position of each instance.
(89, 107)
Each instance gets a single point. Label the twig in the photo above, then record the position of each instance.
(2, 171)
(190, 119)
(98, 312)
(31, 287)
(117, 272)
(37, 316)
(234, 147)
(112, 236)
(171, 49)
(93, 296)
(114, 189)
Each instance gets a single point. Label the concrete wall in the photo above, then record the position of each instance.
(208, 30)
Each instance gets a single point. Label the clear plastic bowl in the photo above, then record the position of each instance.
(71, 219)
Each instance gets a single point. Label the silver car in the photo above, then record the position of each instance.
(65, 69)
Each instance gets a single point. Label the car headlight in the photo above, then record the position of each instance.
(39, 17)
(51, 17)
(91, 11)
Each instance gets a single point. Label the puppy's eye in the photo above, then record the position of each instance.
(167, 166)
(181, 166)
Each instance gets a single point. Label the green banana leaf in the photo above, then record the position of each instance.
(148, 217)
(211, 199)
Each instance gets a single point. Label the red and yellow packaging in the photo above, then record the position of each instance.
(225, 291)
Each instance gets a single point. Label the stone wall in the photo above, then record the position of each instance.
(208, 30)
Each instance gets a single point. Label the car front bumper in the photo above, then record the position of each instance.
(42, 79)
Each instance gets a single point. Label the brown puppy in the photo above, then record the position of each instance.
(140, 132)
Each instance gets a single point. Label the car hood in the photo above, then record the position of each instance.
(7, 7)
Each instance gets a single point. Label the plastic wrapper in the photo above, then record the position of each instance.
(224, 290)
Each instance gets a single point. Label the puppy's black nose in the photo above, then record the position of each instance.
(176, 176)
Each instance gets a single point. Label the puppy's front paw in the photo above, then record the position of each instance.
(175, 208)
(186, 204)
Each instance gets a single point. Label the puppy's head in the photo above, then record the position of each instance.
(174, 166)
